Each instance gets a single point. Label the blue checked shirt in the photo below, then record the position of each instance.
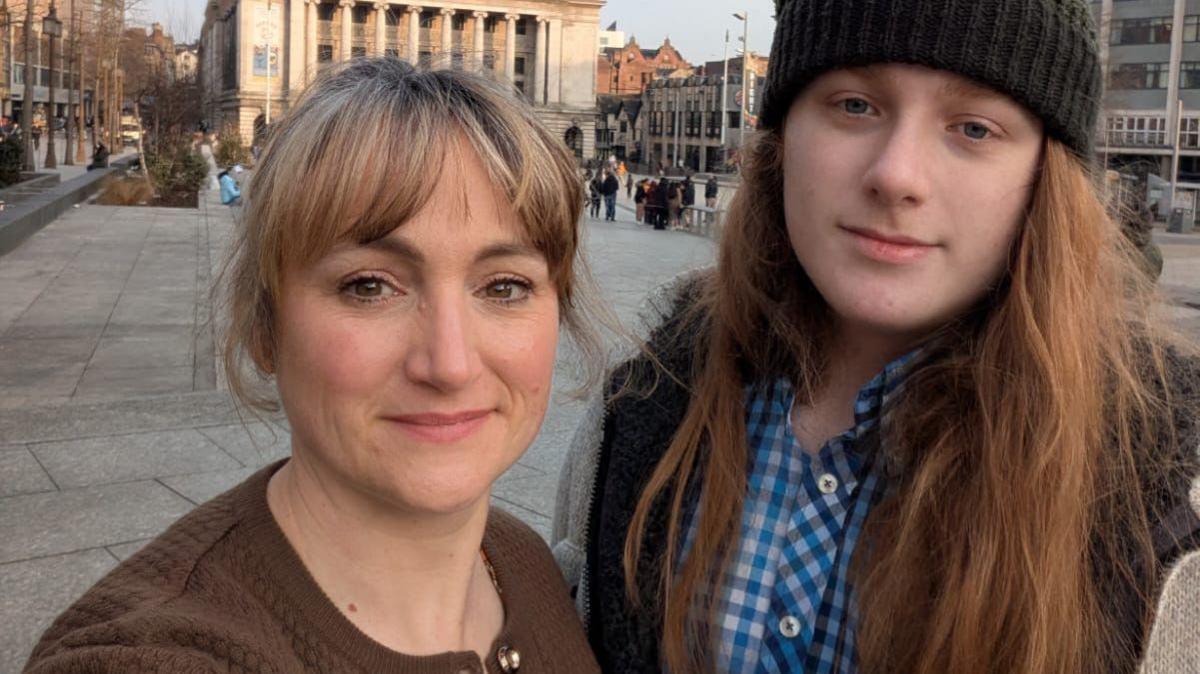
(787, 603)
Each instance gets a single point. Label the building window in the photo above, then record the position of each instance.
(392, 17)
(359, 13)
(624, 126)
(735, 120)
(392, 52)
(489, 61)
(521, 28)
(427, 19)
(1139, 76)
(1152, 30)
(460, 22)
(456, 60)
(324, 53)
(357, 52)
(325, 11)
(1189, 133)
(1191, 28)
(1189, 75)
(519, 65)
(1136, 130)
(424, 58)
(489, 24)
(520, 85)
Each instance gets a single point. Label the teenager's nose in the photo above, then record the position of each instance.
(897, 175)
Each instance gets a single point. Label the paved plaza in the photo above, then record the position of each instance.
(114, 421)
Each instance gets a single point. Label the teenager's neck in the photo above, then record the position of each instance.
(855, 356)
(414, 583)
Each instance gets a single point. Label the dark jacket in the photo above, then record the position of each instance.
(639, 195)
(633, 433)
(689, 193)
(711, 188)
(611, 186)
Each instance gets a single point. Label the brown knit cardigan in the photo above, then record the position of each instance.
(223, 591)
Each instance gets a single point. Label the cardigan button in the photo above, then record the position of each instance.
(509, 659)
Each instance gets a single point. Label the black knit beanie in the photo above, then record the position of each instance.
(1042, 53)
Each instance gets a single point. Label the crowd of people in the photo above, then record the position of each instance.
(660, 202)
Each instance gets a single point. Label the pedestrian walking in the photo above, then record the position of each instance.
(674, 203)
(594, 185)
(639, 201)
(711, 191)
(629, 186)
(689, 200)
(924, 416)
(656, 204)
(609, 189)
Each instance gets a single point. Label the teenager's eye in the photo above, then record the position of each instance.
(856, 106)
(976, 131)
(368, 289)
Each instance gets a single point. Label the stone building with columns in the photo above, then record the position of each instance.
(255, 51)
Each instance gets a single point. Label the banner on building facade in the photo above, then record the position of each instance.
(268, 20)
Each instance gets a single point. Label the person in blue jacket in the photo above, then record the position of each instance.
(230, 194)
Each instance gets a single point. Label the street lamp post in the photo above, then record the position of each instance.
(52, 27)
(270, 34)
(724, 103)
(30, 163)
(744, 17)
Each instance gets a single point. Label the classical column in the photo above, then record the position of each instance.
(381, 7)
(510, 46)
(295, 45)
(447, 35)
(538, 94)
(310, 38)
(414, 33)
(347, 27)
(554, 63)
(480, 20)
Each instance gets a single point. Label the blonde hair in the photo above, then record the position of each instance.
(357, 157)
(1027, 439)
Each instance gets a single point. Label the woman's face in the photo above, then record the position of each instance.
(904, 190)
(416, 369)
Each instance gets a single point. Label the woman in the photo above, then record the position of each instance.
(922, 418)
(231, 195)
(639, 200)
(409, 315)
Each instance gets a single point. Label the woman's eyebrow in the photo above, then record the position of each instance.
(497, 250)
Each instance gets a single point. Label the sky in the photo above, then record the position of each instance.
(696, 27)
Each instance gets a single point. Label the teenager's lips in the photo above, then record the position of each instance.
(895, 249)
(441, 427)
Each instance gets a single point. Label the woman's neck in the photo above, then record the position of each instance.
(414, 583)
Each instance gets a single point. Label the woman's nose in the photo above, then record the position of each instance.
(444, 354)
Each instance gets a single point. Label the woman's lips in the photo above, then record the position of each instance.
(441, 427)
(887, 248)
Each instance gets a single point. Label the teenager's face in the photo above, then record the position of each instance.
(904, 189)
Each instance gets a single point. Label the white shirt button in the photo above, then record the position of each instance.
(827, 483)
(789, 627)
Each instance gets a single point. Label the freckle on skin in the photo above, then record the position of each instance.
(353, 608)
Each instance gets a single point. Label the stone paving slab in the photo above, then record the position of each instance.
(51, 523)
(20, 473)
(36, 591)
(126, 458)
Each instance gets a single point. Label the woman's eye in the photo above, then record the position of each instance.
(976, 131)
(369, 289)
(856, 106)
(508, 290)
